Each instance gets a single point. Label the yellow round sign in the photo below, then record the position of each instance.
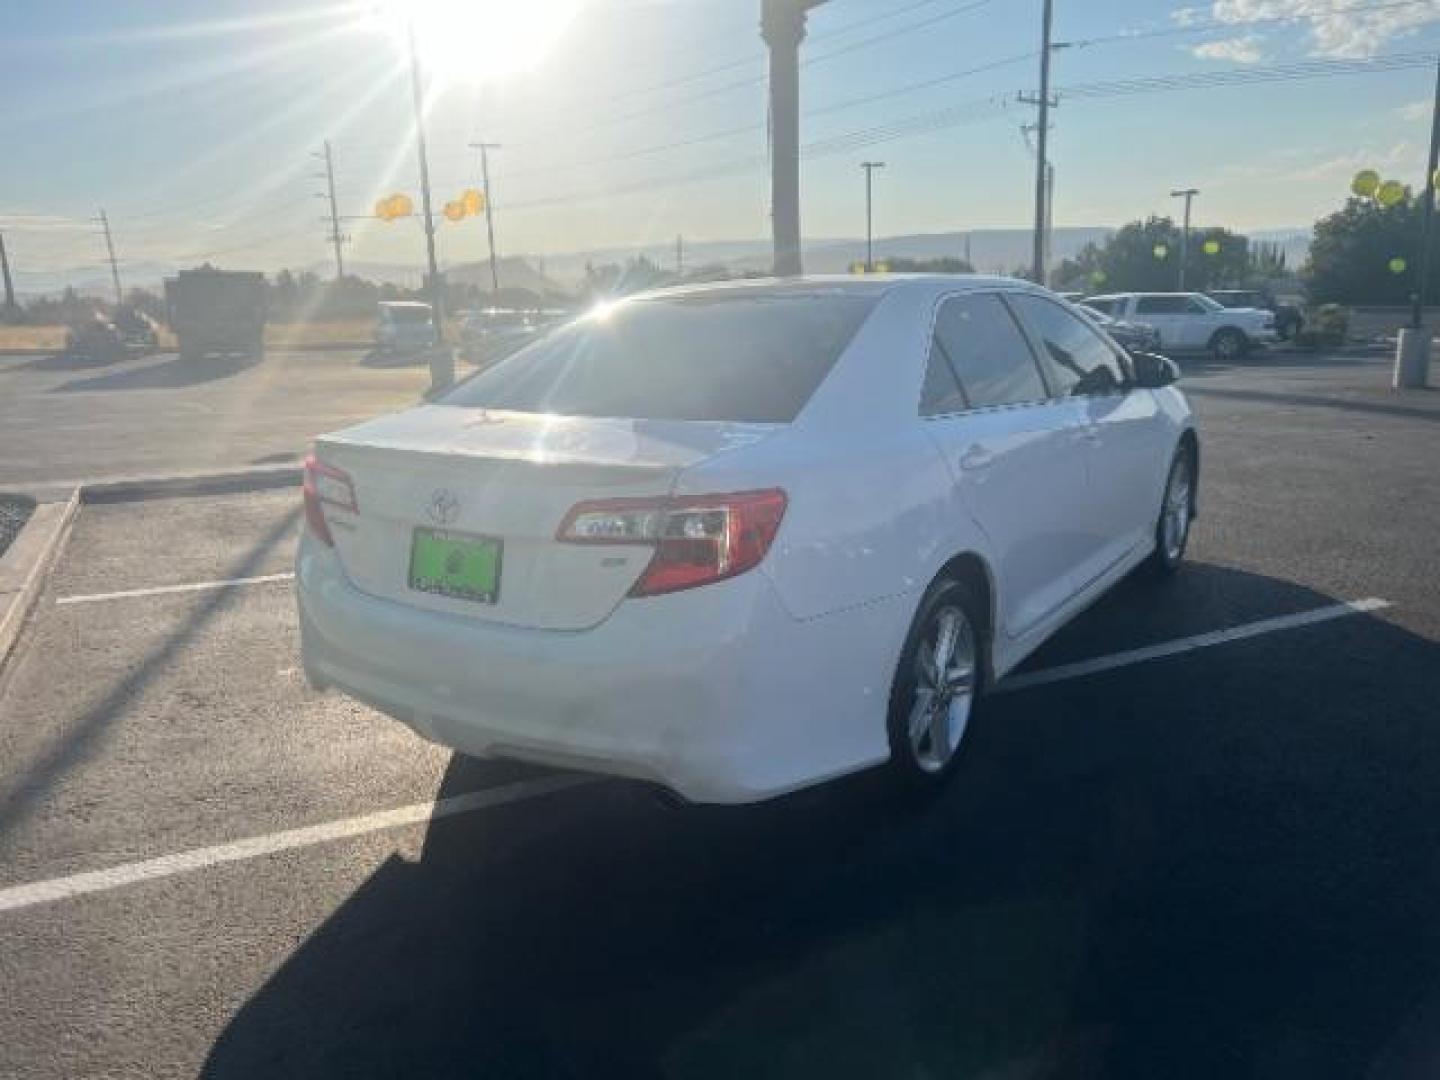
(1398, 265)
(473, 201)
(455, 210)
(1098, 277)
(1390, 193)
(1161, 251)
(1212, 247)
(1365, 183)
(394, 206)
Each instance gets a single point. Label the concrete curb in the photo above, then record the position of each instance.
(24, 565)
(137, 488)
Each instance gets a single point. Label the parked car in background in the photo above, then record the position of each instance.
(1134, 337)
(738, 539)
(491, 334)
(1289, 318)
(140, 333)
(405, 326)
(1192, 322)
(94, 337)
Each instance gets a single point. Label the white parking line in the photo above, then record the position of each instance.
(161, 590)
(1189, 644)
(184, 862)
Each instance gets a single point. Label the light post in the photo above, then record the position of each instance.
(1188, 194)
(442, 362)
(782, 26)
(870, 167)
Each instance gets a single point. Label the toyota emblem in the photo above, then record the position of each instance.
(444, 507)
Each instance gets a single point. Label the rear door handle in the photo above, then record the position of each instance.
(977, 457)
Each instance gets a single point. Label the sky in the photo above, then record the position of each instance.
(626, 122)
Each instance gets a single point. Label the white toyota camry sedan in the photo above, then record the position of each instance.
(741, 538)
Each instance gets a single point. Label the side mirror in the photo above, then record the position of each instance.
(1153, 371)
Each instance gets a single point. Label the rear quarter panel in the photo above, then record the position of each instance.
(873, 512)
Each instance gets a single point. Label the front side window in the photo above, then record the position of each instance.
(989, 354)
(1160, 305)
(1077, 360)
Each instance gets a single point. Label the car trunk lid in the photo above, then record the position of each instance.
(469, 475)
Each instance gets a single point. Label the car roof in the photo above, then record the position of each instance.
(403, 304)
(1123, 295)
(872, 285)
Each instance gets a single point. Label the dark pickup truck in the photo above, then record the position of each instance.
(1288, 319)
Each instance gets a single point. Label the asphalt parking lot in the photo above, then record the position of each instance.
(68, 418)
(1216, 857)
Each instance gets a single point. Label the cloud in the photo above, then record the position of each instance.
(1342, 30)
(1401, 155)
(1240, 50)
(1415, 110)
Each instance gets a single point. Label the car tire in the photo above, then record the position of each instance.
(1177, 513)
(1229, 344)
(934, 702)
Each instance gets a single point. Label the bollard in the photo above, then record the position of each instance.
(1412, 358)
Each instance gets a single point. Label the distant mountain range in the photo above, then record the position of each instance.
(989, 251)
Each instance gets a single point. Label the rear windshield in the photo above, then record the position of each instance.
(739, 358)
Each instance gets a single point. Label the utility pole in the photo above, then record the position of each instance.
(782, 27)
(110, 252)
(679, 255)
(442, 361)
(1042, 142)
(1428, 211)
(870, 167)
(1412, 351)
(336, 236)
(1188, 194)
(5, 271)
(485, 149)
(1048, 223)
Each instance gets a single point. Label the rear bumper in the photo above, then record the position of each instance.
(717, 693)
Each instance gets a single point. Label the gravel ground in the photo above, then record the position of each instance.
(15, 510)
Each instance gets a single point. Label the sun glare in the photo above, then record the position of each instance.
(479, 40)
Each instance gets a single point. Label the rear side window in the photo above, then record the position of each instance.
(1161, 305)
(1077, 359)
(989, 354)
(719, 356)
(942, 394)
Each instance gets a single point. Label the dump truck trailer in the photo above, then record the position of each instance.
(217, 311)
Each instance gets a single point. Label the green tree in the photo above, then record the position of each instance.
(1145, 256)
(1353, 252)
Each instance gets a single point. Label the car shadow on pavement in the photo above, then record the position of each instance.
(167, 375)
(1220, 864)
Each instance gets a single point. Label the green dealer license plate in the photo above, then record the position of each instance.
(455, 565)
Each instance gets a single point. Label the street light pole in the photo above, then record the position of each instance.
(1042, 144)
(1188, 194)
(1428, 209)
(782, 26)
(870, 167)
(442, 362)
(485, 148)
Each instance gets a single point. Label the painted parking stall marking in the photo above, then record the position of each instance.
(44, 892)
(165, 590)
(1189, 644)
(184, 862)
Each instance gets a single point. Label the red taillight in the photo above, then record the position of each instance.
(697, 540)
(325, 484)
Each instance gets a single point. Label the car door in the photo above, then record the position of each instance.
(1122, 425)
(1167, 315)
(1010, 449)
(1201, 323)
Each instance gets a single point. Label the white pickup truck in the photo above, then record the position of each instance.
(1192, 322)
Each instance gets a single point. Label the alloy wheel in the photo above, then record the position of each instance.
(945, 667)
